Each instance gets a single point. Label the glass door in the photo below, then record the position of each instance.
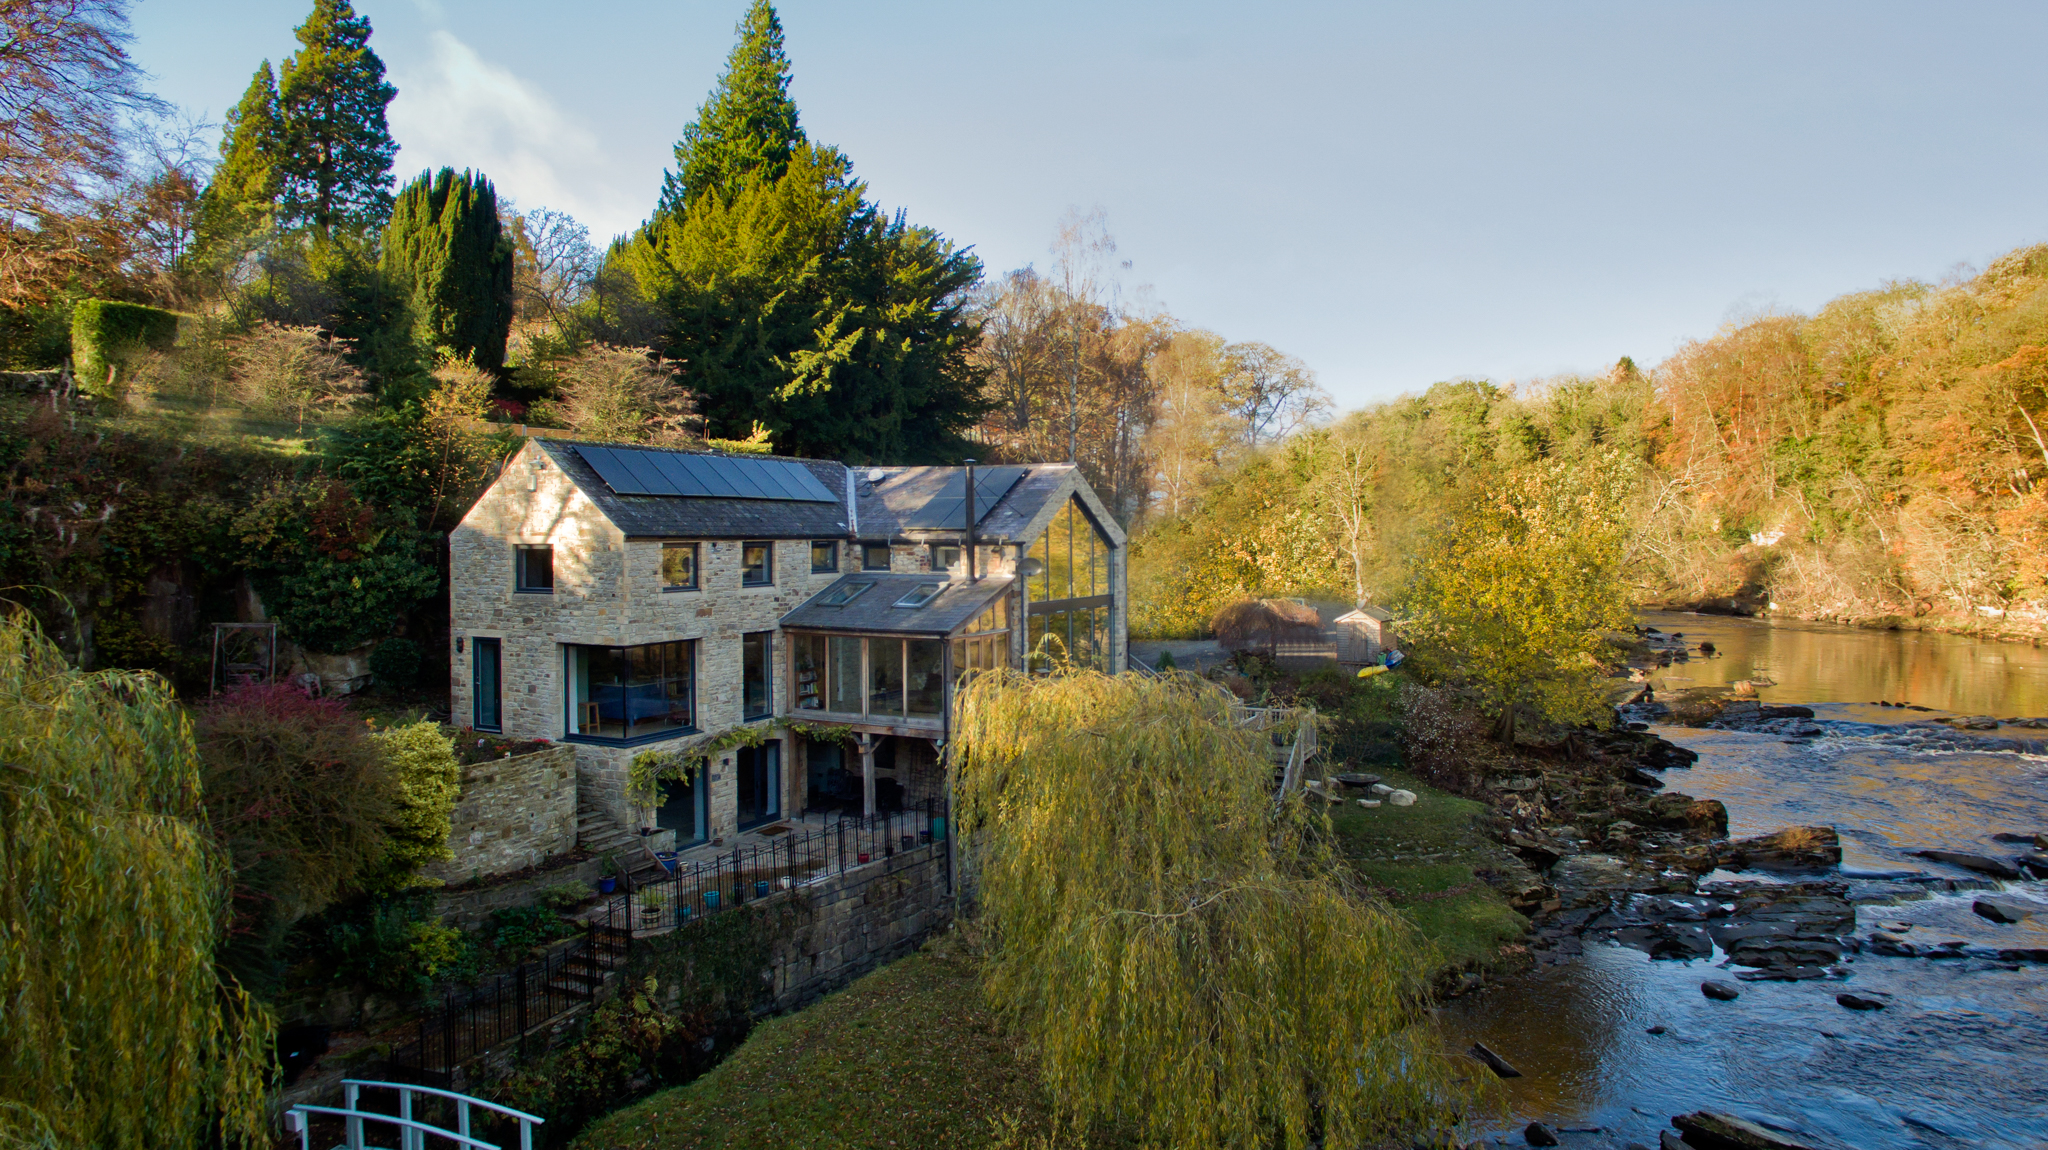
(760, 784)
(685, 810)
(489, 665)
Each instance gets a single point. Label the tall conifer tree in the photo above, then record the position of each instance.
(747, 126)
(243, 194)
(447, 252)
(790, 298)
(337, 165)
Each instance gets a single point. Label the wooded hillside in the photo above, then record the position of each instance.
(1881, 458)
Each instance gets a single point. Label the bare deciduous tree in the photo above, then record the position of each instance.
(66, 85)
(557, 265)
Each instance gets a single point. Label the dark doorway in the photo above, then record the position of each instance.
(686, 810)
(831, 784)
(760, 784)
(486, 683)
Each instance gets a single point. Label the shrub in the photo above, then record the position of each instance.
(337, 603)
(396, 663)
(629, 1038)
(426, 780)
(624, 394)
(299, 798)
(104, 333)
(564, 896)
(514, 929)
(396, 945)
(294, 373)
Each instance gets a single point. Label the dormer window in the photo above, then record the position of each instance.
(843, 594)
(921, 594)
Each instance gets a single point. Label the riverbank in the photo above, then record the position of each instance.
(2028, 625)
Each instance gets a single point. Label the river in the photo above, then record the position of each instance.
(1960, 1057)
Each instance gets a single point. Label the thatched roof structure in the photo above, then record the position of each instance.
(1263, 624)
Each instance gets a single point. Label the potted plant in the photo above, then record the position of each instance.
(610, 881)
(651, 904)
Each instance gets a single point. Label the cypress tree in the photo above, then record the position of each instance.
(337, 163)
(747, 126)
(243, 194)
(447, 253)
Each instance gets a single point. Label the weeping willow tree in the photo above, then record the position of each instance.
(115, 1030)
(1183, 955)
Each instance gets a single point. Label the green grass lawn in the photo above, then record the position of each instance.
(1414, 855)
(908, 1056)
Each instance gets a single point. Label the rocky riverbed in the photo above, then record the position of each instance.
(1913, 937)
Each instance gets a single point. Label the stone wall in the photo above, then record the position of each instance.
(860, 920)
(511, 814)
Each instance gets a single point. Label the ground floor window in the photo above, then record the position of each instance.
(760, 784)
(631, 692)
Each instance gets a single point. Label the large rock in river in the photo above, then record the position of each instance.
(1588, 880)
(1712, 1130)
(1794, 848)
(1994, 867)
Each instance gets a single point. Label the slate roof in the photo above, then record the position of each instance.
(884, 498)
(958, 602)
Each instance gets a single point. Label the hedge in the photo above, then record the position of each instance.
(107, 331)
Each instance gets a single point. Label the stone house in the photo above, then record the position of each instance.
(617, 597)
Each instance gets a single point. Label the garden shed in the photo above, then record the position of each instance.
(1362, 635)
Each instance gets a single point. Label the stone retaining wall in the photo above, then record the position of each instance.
(512, 813)
(860, 920)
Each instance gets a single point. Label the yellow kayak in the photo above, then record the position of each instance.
(1369, 672)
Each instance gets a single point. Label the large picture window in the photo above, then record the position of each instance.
(882, 679)
(624, 693)
(1070, 595)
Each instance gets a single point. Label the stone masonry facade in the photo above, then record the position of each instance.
(511, 814)
(608, 592)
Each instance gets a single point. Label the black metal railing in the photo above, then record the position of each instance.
(464, 1022)
(694, 890)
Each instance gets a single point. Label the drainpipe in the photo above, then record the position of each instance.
(972, 577)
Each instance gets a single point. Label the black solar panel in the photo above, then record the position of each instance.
(947, 509)
(636, 471)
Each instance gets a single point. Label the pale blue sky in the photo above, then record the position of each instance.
(1398, 194)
